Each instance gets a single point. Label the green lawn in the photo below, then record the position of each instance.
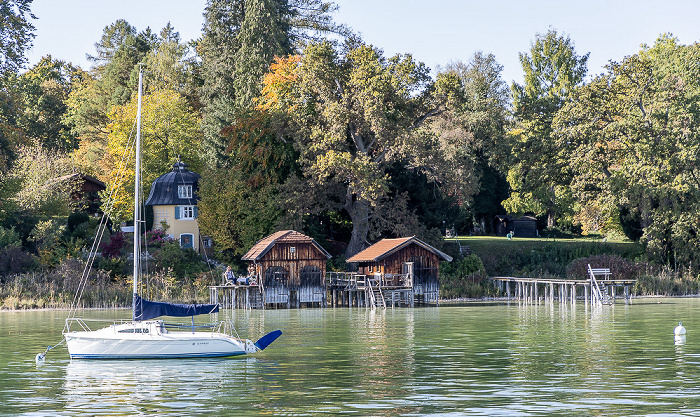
(540, 256)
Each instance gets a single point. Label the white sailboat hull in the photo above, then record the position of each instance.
(150, 340)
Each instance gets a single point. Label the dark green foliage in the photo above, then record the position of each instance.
(239, 43)
(535, 258)
(43, 91)
(13, 260)
(493, 189)
(183, 262)
(426, 199)
(75, 220)
(464, 278)
(16, 34)
(620, 268)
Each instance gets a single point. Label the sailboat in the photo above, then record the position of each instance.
(146, 336)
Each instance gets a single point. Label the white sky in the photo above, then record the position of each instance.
(435, 32)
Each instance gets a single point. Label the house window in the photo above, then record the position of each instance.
(207, 242)
(186, 212)
(187, 240)
(184, 191)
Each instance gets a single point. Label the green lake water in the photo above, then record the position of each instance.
(476, 359)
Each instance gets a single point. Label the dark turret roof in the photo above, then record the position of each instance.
(164, 188)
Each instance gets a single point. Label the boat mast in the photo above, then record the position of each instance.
(137, 199)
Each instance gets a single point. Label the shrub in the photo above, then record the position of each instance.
(620, 268)
(183, 261)
(157, 237)
(114, 247)
(464, 278)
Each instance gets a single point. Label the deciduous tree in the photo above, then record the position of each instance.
(539, 175)
(351, 114)
(16, 34)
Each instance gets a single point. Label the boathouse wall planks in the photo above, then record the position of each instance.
(291, 267)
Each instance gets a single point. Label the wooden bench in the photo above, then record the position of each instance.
(604, 272)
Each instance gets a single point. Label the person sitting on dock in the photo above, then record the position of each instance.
(229, 276)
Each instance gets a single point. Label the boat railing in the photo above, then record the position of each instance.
(83, 323)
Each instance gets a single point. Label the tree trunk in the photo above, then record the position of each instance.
(552, 210)
(359, 214)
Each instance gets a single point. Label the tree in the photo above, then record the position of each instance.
(36, 178)
(240, 41)
(635, 146)
(539, 175)
(110, 82)
(16, 34)
(169, 128)
(351, 114)
(169, 65)
(44, 90)
(240, 201)
(479, 116)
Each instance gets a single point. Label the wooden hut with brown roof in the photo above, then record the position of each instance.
(290, 268)
(405, 268)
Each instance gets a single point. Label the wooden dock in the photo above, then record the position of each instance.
(237, 296)
(536, 290)
(351, 289)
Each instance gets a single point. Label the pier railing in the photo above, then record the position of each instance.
(355, 280)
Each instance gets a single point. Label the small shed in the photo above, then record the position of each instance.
(291, 268)
(394, 259)
(86, 193)
(525, 226)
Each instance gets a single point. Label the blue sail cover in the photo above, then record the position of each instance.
(144, 309)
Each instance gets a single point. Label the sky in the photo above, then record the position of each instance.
(436, 32)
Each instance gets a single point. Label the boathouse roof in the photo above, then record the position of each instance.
(386, 247)
(164, 190)
(259, 250)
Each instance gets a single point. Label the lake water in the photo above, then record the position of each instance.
(477, 359)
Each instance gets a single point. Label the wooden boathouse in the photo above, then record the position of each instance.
(390, 272)
(285, 269)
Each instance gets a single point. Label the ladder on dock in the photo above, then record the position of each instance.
(375, 296)
(600, 293)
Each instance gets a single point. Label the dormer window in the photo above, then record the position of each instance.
(184, 191)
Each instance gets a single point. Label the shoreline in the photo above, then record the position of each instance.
(441, 302)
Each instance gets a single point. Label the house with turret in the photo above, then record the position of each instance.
(173, 198)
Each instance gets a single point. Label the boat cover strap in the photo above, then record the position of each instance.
(145, 310)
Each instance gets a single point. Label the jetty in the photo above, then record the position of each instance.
(599, 289)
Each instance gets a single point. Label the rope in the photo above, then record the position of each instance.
(40, 357)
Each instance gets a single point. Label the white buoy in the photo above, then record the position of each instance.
(679, 330)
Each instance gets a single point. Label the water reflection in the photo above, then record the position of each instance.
(464, 360)
(138, 387)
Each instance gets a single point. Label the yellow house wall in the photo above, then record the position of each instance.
(177, 226)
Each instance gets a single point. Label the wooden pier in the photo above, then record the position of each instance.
(351, 289)
(536, 290)
(237, 296)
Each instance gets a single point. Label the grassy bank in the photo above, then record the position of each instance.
(558, 258)
(523, 257)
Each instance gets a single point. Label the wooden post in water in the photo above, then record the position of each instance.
(573, 294)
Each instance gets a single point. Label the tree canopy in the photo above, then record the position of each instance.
(539, 175)
(16, 34)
